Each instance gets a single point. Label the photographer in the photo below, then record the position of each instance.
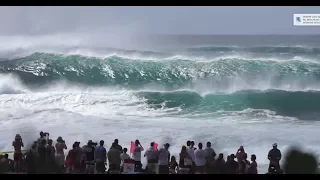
(17, 156)
(89, 151)
(60, 146)
(240, 154)
(136, 156)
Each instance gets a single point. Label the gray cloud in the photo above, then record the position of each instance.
(163, 20)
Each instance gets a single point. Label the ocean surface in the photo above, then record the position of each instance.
(230, 90)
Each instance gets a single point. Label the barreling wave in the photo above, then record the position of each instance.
(41, 68)
(303, 105)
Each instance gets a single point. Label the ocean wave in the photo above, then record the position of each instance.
(303, 105)
(42, 68)
(260, 49)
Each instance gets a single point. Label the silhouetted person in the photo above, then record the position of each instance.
(101, 157)
(210, 154)
(173, 165)
(89, 152)
(231, 165)
(185, 161)
(17, 156)
(240, 154)
(31, 159)
(274, 156)
(60, 157)
(163, 159)
(219, 165)
(136, 155)
(298, 162)
(42, 165)
(114, 157)
(4, 164)
(200, 159)
(116, 142)
(50, 156)
(152, 159)
(253, 169)
(191, 150)
(244, 165)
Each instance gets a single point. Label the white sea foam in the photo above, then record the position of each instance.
(82, 113)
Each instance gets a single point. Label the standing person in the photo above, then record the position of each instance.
(210, 154)
(42, 164)
(185, 161)
(200, 160)
(124, 157)
(191, 150)
(89, 151)
(4, 164)
(136, 156)
(50, 156)
(163, 159)
(173, 165)
(116, 142)
(231, 165)
(31, 159)
(244, 165)
(60, 157)
(219, 165)
(240, 154)
(274, 156)
(253, 168)
(114, 157)
(42, 137)
(152, 159)
(101, 158)
(17, 156)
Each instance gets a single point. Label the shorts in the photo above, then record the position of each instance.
(100, 167)
(90, 167)
(17, 157)
(163, 169)
(137, 165)
(184, 170)
(153, 168)
(200, 169)
(114, 167)
(60, 159)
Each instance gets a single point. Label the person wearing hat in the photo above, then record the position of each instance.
(274, 156)
(164, 159)
(17, 156)
(60, 157)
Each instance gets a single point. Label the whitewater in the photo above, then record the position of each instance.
(230, 95)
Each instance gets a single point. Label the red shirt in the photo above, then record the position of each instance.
(72, 156)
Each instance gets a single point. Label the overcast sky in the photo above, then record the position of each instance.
(163, 20)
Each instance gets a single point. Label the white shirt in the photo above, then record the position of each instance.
(136, 155)
(123, 157)
(163, 157)
(200, 158)
(151, 154)
(191, 153)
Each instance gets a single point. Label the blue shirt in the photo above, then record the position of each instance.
(101, 154)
